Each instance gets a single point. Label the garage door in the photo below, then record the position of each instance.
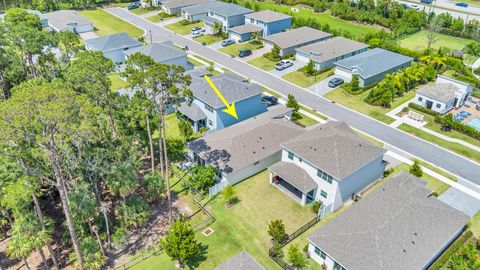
(344, 74)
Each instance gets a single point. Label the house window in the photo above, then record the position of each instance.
(300, 159)
(439, 105)
(325, 176)
(209, 108)
(290, 155)
(317, 251)
(323, 194)
(323, 255)
(210, 123)
(420, 98)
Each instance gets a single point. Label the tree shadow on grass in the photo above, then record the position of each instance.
(194, 261)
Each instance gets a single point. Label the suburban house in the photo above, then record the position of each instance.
(206, 110)
(114, 46)
(69, 20)
(399, 225)
(290, 40)
(246, 148)
(265, 22)
(326, 52)
(43, 18)
(174, 6)
(241, 261)
(226, 14)
(371, 66)
(163, 53)
(197, 12)
(445, 95)
(328, 163)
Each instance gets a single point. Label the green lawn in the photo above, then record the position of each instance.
(455, 147)
(438, 170)
(160, 17)
(142, 10)
(195, 62)
(306, 121)
(299, 78)
(234, 48)
(356, 29)
(475, 225)
(204, 59)
(418, 41)
(262, 63)
(370, 139)
(183, 29)
(117, 83)
(106, 24)
(244, 226)
(356, 103)
(208, 39)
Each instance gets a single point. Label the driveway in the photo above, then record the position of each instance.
(216, 45)
(255, 54)
(462, 201)
(321, 88)
(296, 66)
(434, 154)
(169, 21)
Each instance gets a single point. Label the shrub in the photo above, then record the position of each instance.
(316, 206)
(154, 185)
(203, 177)
(415, 169)
(277, 250)
(442, 260)
(405, 109)
(422, 109)
(293, 104)
(355, 83)
(448, 122)
(387, 172)
(185, 22)
(180, 243)
(134, 212)
(229, 194)
(276, 229)
(295, 257)
(120, 237)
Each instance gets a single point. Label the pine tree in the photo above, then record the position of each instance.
(276, 229)
(293, 104)
(295, 257)
(180, 243)
(415, 169)
(355, 83)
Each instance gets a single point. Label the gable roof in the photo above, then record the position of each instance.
(112, 42)
(241, 261)
(159, 51)
(246, 142)
(397, 226)
(334, 148)
(199, 9)
(297, 37)
(246, 28)
(268, 16)
(191, 111)
(331, 48)
(294, 175)
(228, 9)
(183, 3)
(234, 88)
(443, 92)
(63, 19)
(373, 62)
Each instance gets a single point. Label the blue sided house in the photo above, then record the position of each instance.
(227, 14)
(266, 22)
(113, 46)
(206, 110)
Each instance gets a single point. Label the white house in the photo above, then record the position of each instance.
(295, 38)
(329, 163)
(398, 226)
(113, 46)
(445, 95)
(69, 20)
(175, 6)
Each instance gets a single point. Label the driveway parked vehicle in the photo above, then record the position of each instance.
(283, 64)
(196, 29)
(134, 5)
(335, 82)
(197, 34)
(244, 53)
(270, 100)
(227, 42)
(461, 4)
(416, 7)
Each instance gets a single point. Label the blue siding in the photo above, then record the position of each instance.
(277, 27)
(245, 109)
(235, 20)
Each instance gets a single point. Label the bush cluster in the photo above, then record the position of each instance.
(442, 260)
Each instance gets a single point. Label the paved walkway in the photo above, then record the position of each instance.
(321, 88)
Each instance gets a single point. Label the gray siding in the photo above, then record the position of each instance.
(246, 172)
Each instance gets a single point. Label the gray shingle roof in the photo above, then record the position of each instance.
(199, 9)
(331, 48)
(247, 142)
(159, 51)
(443, 92)
(183, 3)
(233, 88)
(112, 42)
(241, 261)
(211, 21)
(268, 16)
(297, 37)
(246, 28)
(62, 19)
(191, 111)
(396, 227)
(228, 9)
(334, 148)
(294, 175)
(373, 62)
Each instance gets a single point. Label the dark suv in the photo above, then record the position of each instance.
(335, 82)
(244, 53)
(134, 5)
(270, 100)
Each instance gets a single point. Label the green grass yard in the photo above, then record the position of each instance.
(235, 48)
(262, 63)
(106, 24)
(195, 62)
(306, 121)
(475, 224)
(455, 147)
(117, 82)
(299, 78)
(418, 41)
(208, 39)
(160, 17)
(438, 170)
(183, 29)
(142, 10)
(203, 59)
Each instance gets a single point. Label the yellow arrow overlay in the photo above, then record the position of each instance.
(230, 108)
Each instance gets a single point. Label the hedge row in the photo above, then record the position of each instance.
(423, 109)
(348, 88)
(452, 249)
(448, 121)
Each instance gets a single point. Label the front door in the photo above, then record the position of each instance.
(310, 196)
(429, 104)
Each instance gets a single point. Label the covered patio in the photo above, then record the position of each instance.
(293, 181)
(193, 114)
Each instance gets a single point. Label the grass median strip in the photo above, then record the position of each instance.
(438, 170)
(106, 24)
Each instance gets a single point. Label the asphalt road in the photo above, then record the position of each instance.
(458, 165)
(445, 6)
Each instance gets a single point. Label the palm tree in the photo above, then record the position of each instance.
(229, 195)
(217, 28)
(256, 37)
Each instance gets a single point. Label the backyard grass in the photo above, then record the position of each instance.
(357, 103)
(160, 17)
(299, 78)
(262, 63)
(183, 29)
(418, 41)
(208, 39)
(117, 82)
(455, 147)
(106, 24)
(438, 170)
(235, 48)
(195, 62)
(244, 226)
(356, 29)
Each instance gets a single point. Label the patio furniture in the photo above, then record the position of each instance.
(466, 105)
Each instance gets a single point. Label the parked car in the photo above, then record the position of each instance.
(461, 4)
(134, 5)
(426, 1)
(244, 53)
(197, 34)
(283, 64)
(198, 29)
(270, 100)
(227, 42)
(416, 7)
(335, 82)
